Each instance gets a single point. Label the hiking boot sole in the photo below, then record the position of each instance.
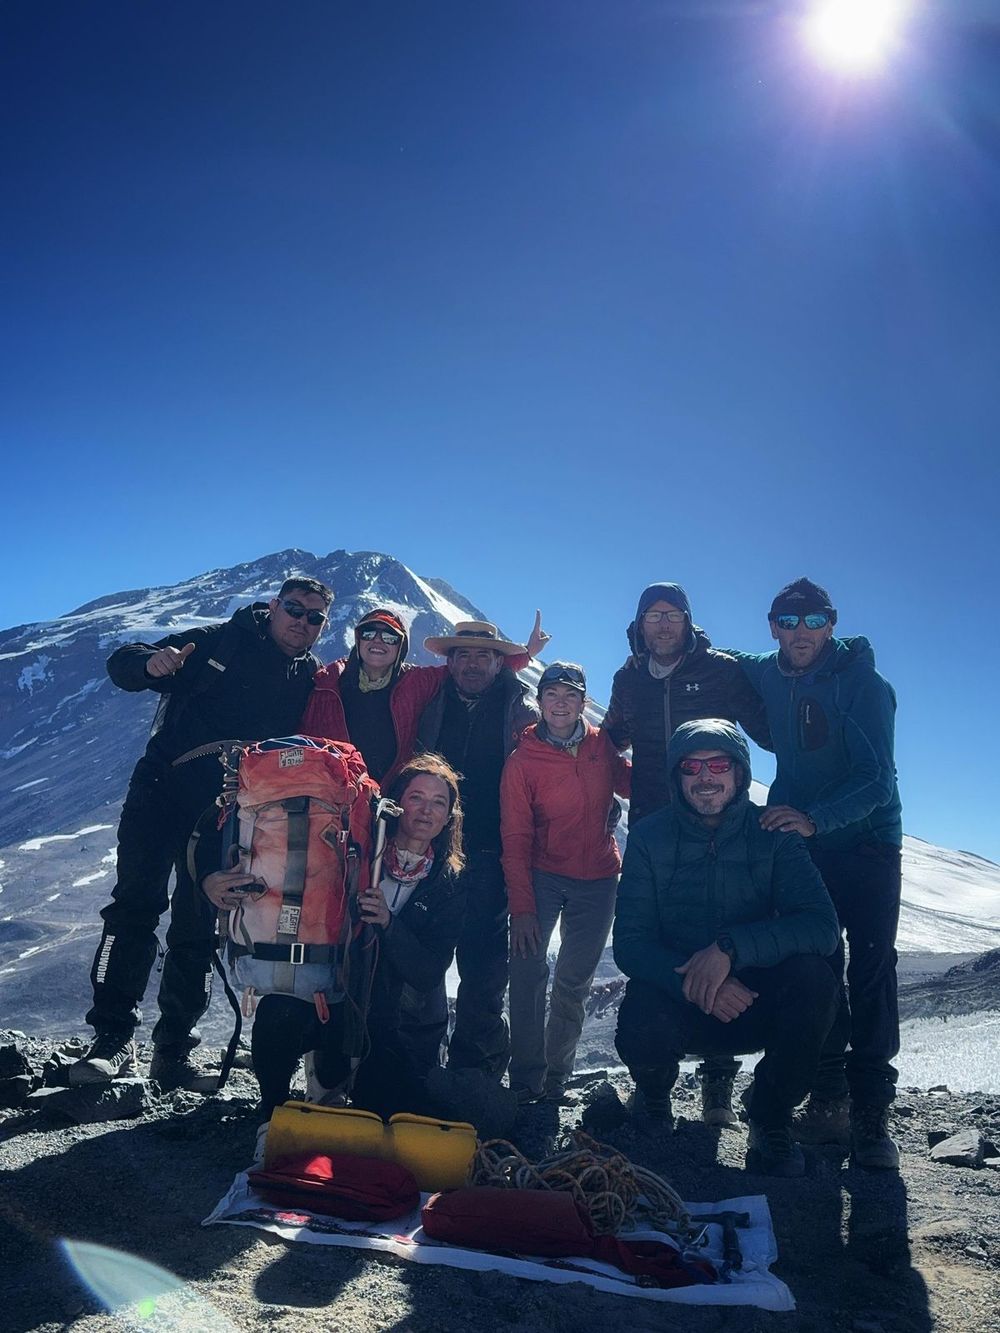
(876, 1159)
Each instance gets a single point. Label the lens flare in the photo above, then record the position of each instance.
(854, 36)
(139, 1291)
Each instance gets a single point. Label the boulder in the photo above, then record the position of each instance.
(966, 1148)
(93, 1103)
(13, 1062)
(15, 1091)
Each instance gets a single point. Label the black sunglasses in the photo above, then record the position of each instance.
(296, 610)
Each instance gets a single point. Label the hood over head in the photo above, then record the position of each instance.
(709, 733)
(377, 618)
(657, 592)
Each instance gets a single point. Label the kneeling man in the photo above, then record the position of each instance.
(723, 929)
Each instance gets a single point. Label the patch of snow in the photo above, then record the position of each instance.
(35, 674)
(9, 754)
(87, 879)
(52, 897)
(25, 785)
(36, 844)
(960, 1052)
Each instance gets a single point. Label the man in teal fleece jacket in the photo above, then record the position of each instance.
(723, 928)
(832, 719)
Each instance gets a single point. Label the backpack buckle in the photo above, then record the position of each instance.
(296, 954)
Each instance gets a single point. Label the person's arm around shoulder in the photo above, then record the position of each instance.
(638, 946)
(619, 767)
(748, 706)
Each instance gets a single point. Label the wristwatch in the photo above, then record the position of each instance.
(725, 943)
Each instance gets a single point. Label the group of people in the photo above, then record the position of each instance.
(728, 917)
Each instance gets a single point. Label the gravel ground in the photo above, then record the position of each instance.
(862, 1252)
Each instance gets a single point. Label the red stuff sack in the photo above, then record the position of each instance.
(359, 1189)
(545, 1222)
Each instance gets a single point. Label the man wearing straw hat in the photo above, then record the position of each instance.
(475, 722)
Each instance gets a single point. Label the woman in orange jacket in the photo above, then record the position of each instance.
(560, 863)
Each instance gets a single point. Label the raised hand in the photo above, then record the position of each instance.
(538, 638)
(168, 661)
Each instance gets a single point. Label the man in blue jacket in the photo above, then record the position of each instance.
(723, 928)
(832, 719)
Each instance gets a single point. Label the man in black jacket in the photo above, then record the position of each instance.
(674, 676)
(246, 680)
(475, 721)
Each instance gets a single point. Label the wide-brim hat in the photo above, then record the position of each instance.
(474, 634)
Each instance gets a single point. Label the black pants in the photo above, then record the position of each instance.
(865, 883)
(157, 819)
(284, 1029)
(789, 1021)
(480, 1039)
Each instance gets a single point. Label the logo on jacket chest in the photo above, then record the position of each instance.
(692, 687)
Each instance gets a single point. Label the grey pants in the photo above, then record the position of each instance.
(542, 1053)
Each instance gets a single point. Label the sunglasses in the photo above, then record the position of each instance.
(296, 610)
(814, 620)
(386, 635)
(692, 767)
(563, 677)
(674, 617)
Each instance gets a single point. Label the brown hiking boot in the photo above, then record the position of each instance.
(717, 1098)
(823, 1121)
(111, 1056)
(871, 1146)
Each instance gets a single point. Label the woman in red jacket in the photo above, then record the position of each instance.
(374, 697)
(561, 863)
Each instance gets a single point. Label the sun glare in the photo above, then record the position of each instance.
(854, 36)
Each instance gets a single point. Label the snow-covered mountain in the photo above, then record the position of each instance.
(69, 739)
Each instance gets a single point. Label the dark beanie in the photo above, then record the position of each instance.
(802, 597)
(663, 592)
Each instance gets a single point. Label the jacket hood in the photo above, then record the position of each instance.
(709, 733)
(380, 616)
(656, 592)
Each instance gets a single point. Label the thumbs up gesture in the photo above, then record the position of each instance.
(168, 661)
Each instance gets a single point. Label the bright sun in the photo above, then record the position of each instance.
(855, 36)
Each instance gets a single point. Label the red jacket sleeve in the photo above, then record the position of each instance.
(324, 715)
(517, 834)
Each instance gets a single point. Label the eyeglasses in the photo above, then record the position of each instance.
(386, 635)
(814, 620)
(692, 767)
(296, 610)
(674, 617)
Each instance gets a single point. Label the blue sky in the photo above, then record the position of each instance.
(551, 300)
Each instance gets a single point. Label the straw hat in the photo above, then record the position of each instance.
(474, 634)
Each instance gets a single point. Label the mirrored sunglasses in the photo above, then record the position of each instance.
(814, 620)
(692, 767)
(386, 635)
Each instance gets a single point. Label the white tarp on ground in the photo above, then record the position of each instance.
(753, 1285)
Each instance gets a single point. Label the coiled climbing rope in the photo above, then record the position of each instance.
(613, 1191)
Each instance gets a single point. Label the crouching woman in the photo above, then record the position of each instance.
(416, 911)
(561, 863)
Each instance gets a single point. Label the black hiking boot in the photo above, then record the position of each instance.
(173, 1069)
(716, 1096)
(651, 1112)
(823, 1121)
(871, 1146)
(772, 1151)
(111, 1056)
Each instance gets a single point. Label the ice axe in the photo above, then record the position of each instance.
(732, 1255)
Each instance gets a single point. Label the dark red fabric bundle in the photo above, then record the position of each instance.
(551, 1224)
(360, 1189)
